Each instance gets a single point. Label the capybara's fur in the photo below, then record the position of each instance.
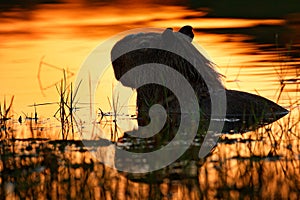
(246, 110)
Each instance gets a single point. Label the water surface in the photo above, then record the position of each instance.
(260, 56)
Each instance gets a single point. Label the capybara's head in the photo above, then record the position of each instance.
(152, 47)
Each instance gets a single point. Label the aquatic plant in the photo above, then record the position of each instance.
(5, 115)
(64, 114)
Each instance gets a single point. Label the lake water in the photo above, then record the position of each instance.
(257, 55)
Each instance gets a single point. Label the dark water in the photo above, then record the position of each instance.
(255, 46)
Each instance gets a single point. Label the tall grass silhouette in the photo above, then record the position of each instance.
(64, 114)
(5, 115)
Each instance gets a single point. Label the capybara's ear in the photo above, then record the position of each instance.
(188, 31)
(168, 36)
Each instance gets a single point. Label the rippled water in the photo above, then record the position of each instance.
(259, 56)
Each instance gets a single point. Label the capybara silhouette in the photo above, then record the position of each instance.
(244, 111)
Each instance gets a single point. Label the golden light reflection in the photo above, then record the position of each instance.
(52, 32)
(64, 34)
(208, 23)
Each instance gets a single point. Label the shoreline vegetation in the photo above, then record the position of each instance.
(245, 165)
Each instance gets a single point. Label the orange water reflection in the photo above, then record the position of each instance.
(64, 34)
